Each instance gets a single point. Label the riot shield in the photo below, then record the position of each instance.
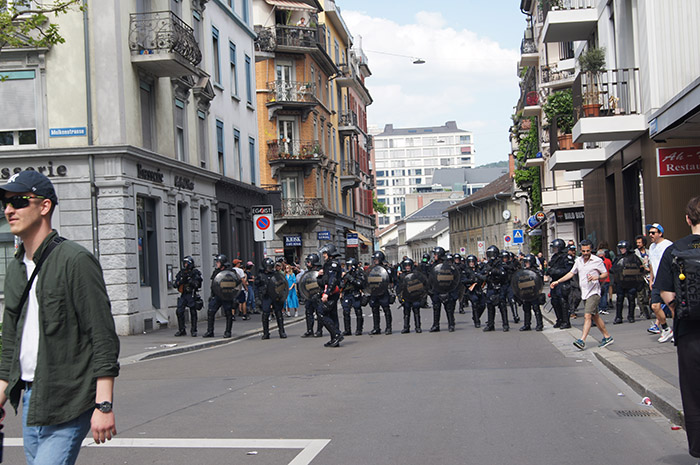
(413, 286)
(527, 285)
(308, 285)
(444, 278)
(277, 287)
(226, 285)
(378, 281)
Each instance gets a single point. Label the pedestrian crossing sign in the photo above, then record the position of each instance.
(517, 236)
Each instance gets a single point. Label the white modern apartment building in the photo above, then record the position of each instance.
(138, 122)
(406, 158)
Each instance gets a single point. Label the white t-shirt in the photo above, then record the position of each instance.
(656, 251)
(29, 350)
(594, 266)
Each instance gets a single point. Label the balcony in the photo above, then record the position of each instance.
(346, 76)
(569, 20)
(529, 56)
(162, 44)
(556, 79)
(284, 153)
(291, 95)
(562, 196)
(350, 175)
(607, 107)
(303, 208)
(347, 124)
(287, 39)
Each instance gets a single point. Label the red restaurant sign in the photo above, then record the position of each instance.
(678, 161)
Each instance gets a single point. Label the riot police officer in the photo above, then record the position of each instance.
(354, 280)
(628, 272)
(188, 281)
(559, 264)
(474, 280)
(496, 289)
(410, 301)
(270, 300)
(511, 266)
(215, 302)
(445, 299)
(329, 281)
(385, 299)
(461, 290)
(532, 306)
(312, 307)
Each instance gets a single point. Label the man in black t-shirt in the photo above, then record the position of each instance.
(686, 331)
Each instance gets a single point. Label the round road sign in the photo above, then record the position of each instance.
(263, 223)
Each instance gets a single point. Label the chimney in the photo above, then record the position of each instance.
(511, 164)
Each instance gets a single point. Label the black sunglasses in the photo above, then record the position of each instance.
(18, 201)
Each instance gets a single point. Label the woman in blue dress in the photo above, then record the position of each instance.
(292, 299)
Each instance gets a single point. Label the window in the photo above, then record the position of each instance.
(251, 148)
(337, 52)
(148, 113)
(220, 145)
(176, 7)
(18, 117)
(197, 26)
(237, 153)
(180, 145)
(248, 80)
(445, 161)
(234, 73)
(216, 71)
(202, 138)
(246, 12)
(417, 181)
(465, 139)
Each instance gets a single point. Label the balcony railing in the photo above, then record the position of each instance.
(162, 31)
(271, 39)
(528, 46)
(548, 5)
(616, 90)
(550, 74)
(302, 207)
(291, 92)
(285, 149)
(350, 168)
(347, 118)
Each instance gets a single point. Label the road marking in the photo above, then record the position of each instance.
(310, 448)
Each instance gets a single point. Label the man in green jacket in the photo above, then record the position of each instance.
(59, 346)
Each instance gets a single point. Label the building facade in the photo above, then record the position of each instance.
(134, 126)
(406, 158)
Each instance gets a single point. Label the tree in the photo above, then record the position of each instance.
(26, 24)
(378, 206)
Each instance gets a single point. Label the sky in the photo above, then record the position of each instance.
(471, 49)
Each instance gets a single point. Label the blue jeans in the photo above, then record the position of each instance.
(55, 444)
(603, 304)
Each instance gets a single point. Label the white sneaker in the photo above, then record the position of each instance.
(666, 334)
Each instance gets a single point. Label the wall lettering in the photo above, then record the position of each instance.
(149, 175)
(48, 170)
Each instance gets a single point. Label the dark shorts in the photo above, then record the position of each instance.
(656, 296)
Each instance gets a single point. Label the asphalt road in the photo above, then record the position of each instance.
(466, 397)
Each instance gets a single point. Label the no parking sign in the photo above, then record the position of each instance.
(507, 240)
(263, 224)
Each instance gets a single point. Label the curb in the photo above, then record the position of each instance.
(200, 345)
(665, 397)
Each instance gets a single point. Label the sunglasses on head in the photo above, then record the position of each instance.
(18, 201)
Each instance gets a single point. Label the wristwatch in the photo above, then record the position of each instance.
(104, 407)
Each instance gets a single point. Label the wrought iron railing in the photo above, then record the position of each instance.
(291, 92)
(617, 91)
(163, 31)
(350, 168)
(302, 207)
(347, 118)
(269, 38)
(287, 149)
(528, 46)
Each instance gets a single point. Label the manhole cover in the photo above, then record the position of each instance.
(636, 413)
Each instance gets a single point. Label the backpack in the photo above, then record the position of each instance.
(686, 264)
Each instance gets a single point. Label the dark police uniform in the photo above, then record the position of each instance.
(188, 281)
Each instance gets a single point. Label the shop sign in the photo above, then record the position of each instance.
(574, 214)
(149, 175)
(323, 235)
(352, 240)
(677, 161)
(292, 241)
(184, 183)
(47, 170)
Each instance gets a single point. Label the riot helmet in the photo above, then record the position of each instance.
(351, 263)
(407, 265)
(439, 253)
(557, 245)
(269, 264)
(623, 244)
(221, 258)
(188, 263)
(448, 257)
(425, 258)
(505, 256)
(530, 261)
(312, 260)
(457, 257)
(472, 260)
(328, 249)
(379, 256)
(492, 252)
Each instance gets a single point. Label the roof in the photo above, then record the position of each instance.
(452, 176)
(449, 127)
(434, 210)
(502, 186)
(383, 231)
(433, 231)
(392, 243)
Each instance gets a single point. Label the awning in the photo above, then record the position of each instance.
(361, 237)
(290, 5)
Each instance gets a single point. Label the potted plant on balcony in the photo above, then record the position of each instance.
(592, 62)
(560, 107)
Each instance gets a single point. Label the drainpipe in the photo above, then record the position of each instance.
(483, 231)
(91, 142)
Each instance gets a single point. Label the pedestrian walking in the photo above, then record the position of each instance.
(59, 342)
(292, 298)
(657, 248)
(590, 270)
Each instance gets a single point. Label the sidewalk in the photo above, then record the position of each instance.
(650, 368)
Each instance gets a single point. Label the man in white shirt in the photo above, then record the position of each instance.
(590, 270)
(657, 248)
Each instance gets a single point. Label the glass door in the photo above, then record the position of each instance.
(284, 84)
(286, 137)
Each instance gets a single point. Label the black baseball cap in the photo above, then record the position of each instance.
(30, 181)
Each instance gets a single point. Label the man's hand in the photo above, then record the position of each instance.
(103, 426)
(553, 284)
(324, 298)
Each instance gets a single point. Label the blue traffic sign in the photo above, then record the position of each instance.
(517, 236)
(532, 221)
